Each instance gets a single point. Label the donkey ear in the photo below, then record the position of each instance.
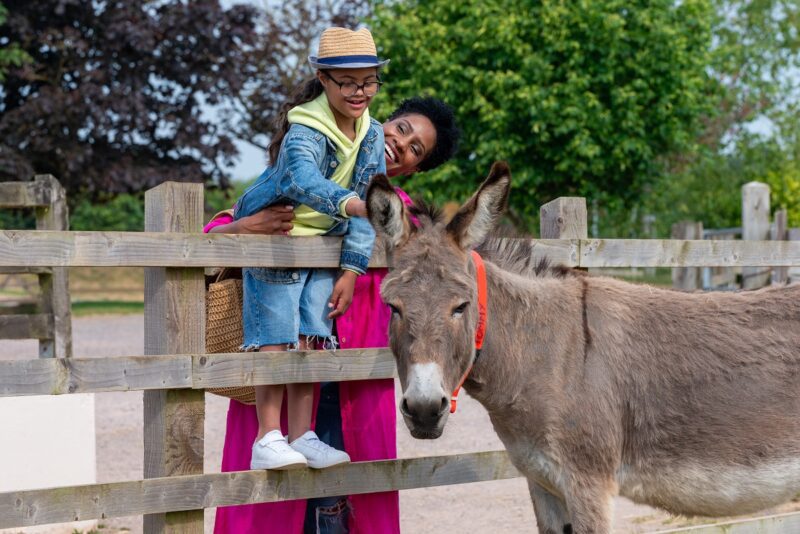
(473, 221)
(386, 211)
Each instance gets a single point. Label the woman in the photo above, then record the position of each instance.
(359, 416)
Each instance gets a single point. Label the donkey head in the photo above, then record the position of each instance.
(432, 292)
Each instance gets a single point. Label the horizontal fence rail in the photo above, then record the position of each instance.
(25, 194)
(778, 524)
(178, 493)
(148, 249)
(25, 326)
(190, 371)
(687, 253)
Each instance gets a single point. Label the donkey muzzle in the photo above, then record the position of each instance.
(425, 405)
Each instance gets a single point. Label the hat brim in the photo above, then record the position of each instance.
(346, 64)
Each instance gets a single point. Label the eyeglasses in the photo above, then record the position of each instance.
(349, 89)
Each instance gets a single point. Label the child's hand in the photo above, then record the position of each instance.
(342, 294)
(356, 207)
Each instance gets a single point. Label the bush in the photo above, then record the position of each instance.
(120, 213)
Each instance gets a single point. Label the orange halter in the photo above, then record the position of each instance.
(480, 331)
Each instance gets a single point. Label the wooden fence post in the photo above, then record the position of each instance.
(174, 323)
(778, 232)
(687, 278)
(755, 226)
(55, 284)
(793, 273)
(564, 218)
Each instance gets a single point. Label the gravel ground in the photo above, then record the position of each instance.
(498, 506)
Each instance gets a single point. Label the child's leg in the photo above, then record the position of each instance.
(301, 403)
(269, 400)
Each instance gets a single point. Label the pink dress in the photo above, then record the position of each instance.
(368, 426)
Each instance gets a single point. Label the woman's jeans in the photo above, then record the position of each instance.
(328, 515)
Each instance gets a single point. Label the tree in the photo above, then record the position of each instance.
(287, 33)
(113, 99)
(11, 55)
(582, 98)
(753, 133)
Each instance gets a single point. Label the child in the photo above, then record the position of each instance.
(321, 159)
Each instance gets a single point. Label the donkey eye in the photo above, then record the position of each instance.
(458, 311)
(395, 310)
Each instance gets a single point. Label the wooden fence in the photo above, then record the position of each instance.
(174, 371)
(756, 226)
(52, 325)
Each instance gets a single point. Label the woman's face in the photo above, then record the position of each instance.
(338, 88)
(409, 140)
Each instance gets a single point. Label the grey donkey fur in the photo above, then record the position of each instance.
(685, 401)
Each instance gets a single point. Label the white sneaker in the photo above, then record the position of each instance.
(318, 454)
(273, 452)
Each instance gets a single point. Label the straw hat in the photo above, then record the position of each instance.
(340, 48)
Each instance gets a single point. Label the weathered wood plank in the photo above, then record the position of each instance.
(774, 524)
(564, 218)
(174, 323)
(687, 278)
(34, 326)
(190, 371)
(54, 286)
(159, 495)
(670, 253)
(148, 249)
(141, 249)
(778, 232)
(24, 195)
(25, 270)
(755, 226)
(93, 375)
(257, 368)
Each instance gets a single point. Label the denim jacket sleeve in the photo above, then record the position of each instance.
(304, 150)
(359, 237)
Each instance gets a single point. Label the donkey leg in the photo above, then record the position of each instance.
(551, 512)
(590, 505)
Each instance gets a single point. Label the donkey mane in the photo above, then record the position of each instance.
(427, 213)
(510, 252)
(516, 254)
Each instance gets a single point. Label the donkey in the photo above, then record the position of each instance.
(685, 401)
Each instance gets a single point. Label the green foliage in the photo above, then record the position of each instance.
(17, 219)
(120, 213)
(710, 190)
(11, 55)
(754, 62)
(582, 98)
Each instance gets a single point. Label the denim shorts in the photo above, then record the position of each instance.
(280, 305)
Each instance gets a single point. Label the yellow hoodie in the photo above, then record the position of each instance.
(317, 114)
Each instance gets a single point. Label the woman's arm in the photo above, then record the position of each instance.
(274, 220)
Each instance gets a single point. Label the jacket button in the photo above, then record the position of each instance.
(333, 164)
(295, 276)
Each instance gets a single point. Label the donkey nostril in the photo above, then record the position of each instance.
(404, 406)
(444, 405)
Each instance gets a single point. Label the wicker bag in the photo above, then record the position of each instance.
(224, 331)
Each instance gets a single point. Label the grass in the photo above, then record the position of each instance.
(106, 307)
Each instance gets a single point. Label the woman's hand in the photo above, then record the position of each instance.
(342, 294)
(273, 220)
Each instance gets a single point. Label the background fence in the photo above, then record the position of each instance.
(174, 371)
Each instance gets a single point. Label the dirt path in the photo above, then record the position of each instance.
(499, 507)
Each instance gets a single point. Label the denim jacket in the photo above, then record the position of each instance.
(302, 175)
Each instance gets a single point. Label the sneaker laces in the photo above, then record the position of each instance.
(317, 444)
